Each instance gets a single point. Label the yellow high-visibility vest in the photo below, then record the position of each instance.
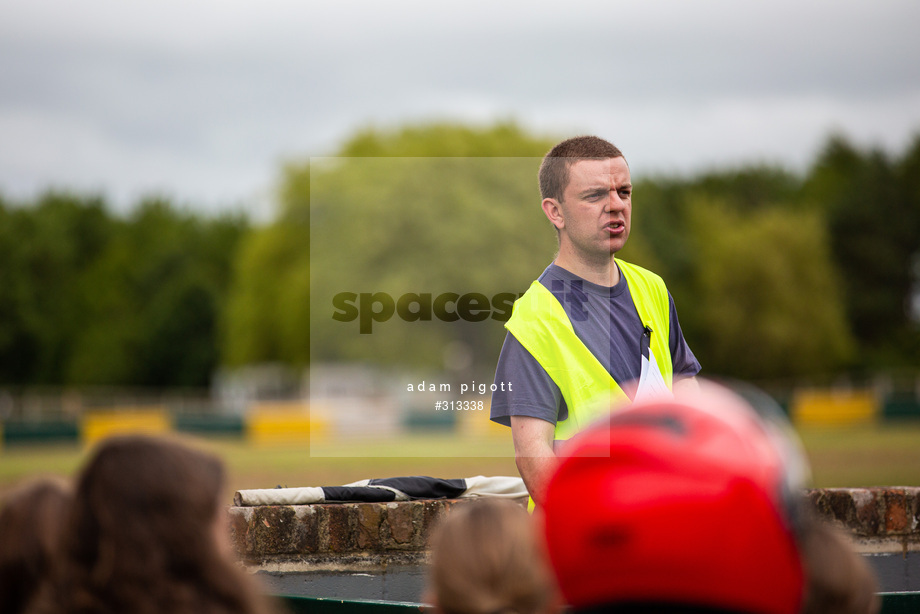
(539, 322)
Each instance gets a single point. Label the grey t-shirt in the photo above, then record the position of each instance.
(606, 321)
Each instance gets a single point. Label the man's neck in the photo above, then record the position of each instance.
(605, 273)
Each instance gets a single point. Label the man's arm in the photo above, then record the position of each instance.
(684, 385)
(533, 452)
(684, 364)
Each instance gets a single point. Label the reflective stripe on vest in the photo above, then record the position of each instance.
(539, 322)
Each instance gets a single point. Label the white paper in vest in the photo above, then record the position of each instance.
(651, 382)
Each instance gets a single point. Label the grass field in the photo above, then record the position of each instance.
(876, 455)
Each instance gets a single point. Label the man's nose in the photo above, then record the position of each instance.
(614, 202)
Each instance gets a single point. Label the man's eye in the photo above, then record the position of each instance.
(625, 193)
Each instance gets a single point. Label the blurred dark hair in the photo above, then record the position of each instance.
(142, 536)
(31, 521)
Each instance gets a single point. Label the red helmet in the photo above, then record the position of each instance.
(683, 501)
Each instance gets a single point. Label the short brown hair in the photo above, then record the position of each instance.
(554, 171)
(486, 558)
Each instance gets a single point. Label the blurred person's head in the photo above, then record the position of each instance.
(840, 581)
(486, 558)
(147, 534)
(676, 504)
(32, 517)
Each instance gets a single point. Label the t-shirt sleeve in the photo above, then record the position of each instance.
(684, 362)
(528, 389)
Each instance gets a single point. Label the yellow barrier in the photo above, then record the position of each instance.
(284, 423)
(97, 425)
(833, 407)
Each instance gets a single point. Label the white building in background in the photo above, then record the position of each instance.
(353, 399)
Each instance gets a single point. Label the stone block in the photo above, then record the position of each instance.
(853, 508)
(340, 527)
(369, 521)
(898, 511)
(401, 522)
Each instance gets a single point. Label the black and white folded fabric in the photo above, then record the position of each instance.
(387, 489)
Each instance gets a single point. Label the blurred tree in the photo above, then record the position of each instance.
(43, 251)
(664, 218)
(873, 210)
(267, 314)
(771, 272)
(908, 173)
(88, 298)
(449, 208)
(427, 209)
(267, 317)
(751, 188)
(157, 293)
(766, 294)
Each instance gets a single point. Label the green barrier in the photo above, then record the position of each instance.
(901, 408)
(900, 603)
(323, 605)
(50, 431)
(207, 424)
(892, 603)
(25, 432)
(430, 421)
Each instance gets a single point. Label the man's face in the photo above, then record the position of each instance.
(596, 207)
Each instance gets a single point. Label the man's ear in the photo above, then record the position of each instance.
(553, 211)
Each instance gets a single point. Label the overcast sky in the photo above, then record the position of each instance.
(202, 101)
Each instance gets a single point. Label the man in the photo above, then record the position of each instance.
(592, 330)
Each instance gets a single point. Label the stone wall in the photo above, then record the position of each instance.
(878, 519)
(372, 536)
(333, 536)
